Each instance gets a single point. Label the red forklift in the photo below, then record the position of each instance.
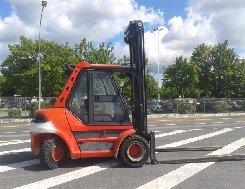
(90, 119)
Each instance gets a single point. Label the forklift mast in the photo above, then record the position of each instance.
(134, 37)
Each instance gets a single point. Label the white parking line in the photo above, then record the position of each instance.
(151, 125)
(238, 127)
(13, 135)
(70, 176)
(73, 175)
(164, 120)
(217, 122)
(170, 124)
(179, 175)
(175, 132)
(194, 139)
(15, 151)
(15, 142)
(9, 167)
(225, 118)
(200, 123)
(196, 129)
(9, 132)
(204, 119)
(240, 121)
(170, 133)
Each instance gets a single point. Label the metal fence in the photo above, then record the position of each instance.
(27, 105)
(199, 105)
(23, 105)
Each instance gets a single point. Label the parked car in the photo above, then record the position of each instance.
(167, 106)
(154, 107)
(14, 102)
(241, 105)
(232, 105)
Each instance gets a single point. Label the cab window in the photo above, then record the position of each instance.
(78, 103)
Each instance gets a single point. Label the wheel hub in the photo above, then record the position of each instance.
(136, 151)
(57, 153)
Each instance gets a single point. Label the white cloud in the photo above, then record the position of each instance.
(71, 20)
(207, 21)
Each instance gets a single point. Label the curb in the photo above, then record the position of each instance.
(5, 121)
(195, 115)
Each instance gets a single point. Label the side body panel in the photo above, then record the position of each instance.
(56, 125)
(98, 140)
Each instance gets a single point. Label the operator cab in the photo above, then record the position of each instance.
(95, 99)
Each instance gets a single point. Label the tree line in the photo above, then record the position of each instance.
(20, 68)
(211, 71)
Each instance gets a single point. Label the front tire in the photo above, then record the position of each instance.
(52, 153)
(134, 151)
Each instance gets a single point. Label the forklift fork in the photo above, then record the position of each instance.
(216, 158)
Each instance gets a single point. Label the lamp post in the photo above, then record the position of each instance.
(158, 60)
(44, 4)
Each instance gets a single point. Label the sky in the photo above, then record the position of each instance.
(184, 24)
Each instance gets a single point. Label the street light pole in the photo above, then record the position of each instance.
(44, 4)
(158, 61)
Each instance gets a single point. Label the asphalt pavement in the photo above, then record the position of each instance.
(178, 169)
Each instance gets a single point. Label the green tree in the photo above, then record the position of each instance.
(221, 71)
(201, 56)
(2, 81)
(102, 54)
(181, 78)
(124, 82)
(226, 71)
(20, 68)
(151, 87)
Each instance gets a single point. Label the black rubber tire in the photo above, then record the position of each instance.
(123, 155)
(46, 153)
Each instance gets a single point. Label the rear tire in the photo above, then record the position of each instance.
(134, 151)
(53, 153)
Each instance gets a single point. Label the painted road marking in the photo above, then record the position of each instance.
(225, 118)
(3, 141)
(9, 167)
(13, 126)
(200, 123)
(157, 131)
(164, 120)
(238, 127)
(194, 139)
(73, 175)
(170, 124)
(15, 151)
(175, 132)
(204, 119)
(179, 175)
(217, 122)
(170, 133)
(240, 121)
(151, 125)
(70, 176)
(196, 129)
(15, 142)
(9, 132)
(18, 135)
